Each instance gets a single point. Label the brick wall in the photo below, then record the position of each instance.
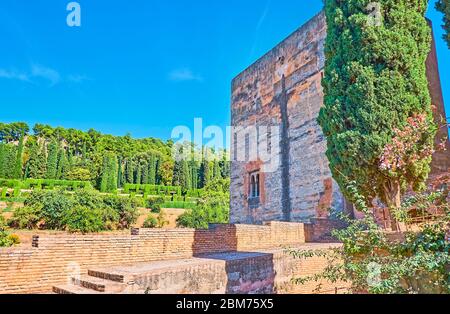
(51, 257)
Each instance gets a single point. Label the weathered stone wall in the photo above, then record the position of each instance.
(283, 88)
(50, 258)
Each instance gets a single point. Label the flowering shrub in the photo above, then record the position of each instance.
(369, 261)
(409, 146)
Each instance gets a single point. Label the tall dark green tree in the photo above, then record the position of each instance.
(37, 162)
(205, 173)
(52, 159)
(108, 181)
(145, 174)
(129, 171)
(375, 82)
(18, 167)
(152, 170)
(2, 159)
(119, 173)
(62, 164)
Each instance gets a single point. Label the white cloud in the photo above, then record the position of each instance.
(38, 71)
(45, 73)
(77, 78)
(14, 75)
(184, 74)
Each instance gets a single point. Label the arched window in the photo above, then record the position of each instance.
(254, 186)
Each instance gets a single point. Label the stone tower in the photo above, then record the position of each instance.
(275, 105)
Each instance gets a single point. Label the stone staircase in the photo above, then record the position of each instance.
(95, 282)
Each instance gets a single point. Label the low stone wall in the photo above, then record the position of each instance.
(52, 257)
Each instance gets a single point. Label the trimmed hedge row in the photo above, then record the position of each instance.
(46, 184)
(149, 189)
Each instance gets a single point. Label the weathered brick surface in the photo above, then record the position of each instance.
(283, 88)
(52, 258)
(287, 78)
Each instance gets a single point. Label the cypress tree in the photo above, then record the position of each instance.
(145, 174)
(62, 164)
(108, 182)
(152, 170)
(138, 177)
(119, 173)
(18, 167)
(374, 84)
(2, 160)
(10, 161)
(112, 180)
(52, 160)
(205, 175)
(36, 162)
(129, 169)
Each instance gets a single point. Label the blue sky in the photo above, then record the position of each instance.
(141, 66)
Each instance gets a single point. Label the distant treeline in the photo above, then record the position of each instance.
(107, 161)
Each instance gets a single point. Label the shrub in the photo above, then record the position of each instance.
(155, 204)
(151, 222)
(110, 218)
(125, 207)
(25, 218)
(53, 205)
(6, 239)
(84, 220)
(88, 198)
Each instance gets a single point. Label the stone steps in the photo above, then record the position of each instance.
(91, 285)
(73, 289)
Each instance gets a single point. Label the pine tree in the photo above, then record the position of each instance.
(52, 160)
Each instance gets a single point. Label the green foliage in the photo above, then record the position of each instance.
(6, 239)
(370, 262)
(375, 80)
(52, 160)
(444, 7)
(127, 209)
(53, 206)
(26, 218)
(155, 203)
(151, 222)
(79, 174)
(213, 207)
(109, 174)
(85, 220)
(18, 162)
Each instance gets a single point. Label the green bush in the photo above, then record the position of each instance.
(25, 218)
(53, 206)
(155, 204)
(83, 219)
(150, 222)
(126, 208)
(6, 239)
